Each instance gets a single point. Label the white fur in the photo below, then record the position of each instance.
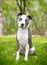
(22, 21)
(32, 49)
(22, 36)
(26, 52)
(17, 57)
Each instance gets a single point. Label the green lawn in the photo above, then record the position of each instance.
(8, 51)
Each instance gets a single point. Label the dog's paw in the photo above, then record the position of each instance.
(17, 59)
(26, 59)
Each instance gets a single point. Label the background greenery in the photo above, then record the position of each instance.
(8, 51)
(36, 8)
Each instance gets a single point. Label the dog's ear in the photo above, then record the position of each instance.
(29, 17)
(19, 14)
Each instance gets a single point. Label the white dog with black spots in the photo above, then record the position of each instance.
(23, 37)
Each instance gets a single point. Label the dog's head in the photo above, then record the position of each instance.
(23, 20)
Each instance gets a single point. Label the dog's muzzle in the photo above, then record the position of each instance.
(22, 25)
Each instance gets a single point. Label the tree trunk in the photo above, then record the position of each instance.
(1, 24)
(44, 22)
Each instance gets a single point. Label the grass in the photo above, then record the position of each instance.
(8, 51)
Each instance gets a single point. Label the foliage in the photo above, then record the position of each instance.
(36, 8)
(9, 14)
(8, 51)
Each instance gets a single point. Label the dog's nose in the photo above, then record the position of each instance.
(22, 25)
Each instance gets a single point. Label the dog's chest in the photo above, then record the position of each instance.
(22, 36)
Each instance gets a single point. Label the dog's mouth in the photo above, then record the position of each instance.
(22, 27)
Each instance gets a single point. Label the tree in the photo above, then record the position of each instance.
(9, 16)
(1, 24)
(22, 5)
(36, 8)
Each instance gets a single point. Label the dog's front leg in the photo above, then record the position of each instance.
(26, 52)
(17, 54)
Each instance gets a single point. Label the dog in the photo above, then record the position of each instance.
(23, 36)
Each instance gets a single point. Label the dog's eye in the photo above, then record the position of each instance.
(20, 19)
